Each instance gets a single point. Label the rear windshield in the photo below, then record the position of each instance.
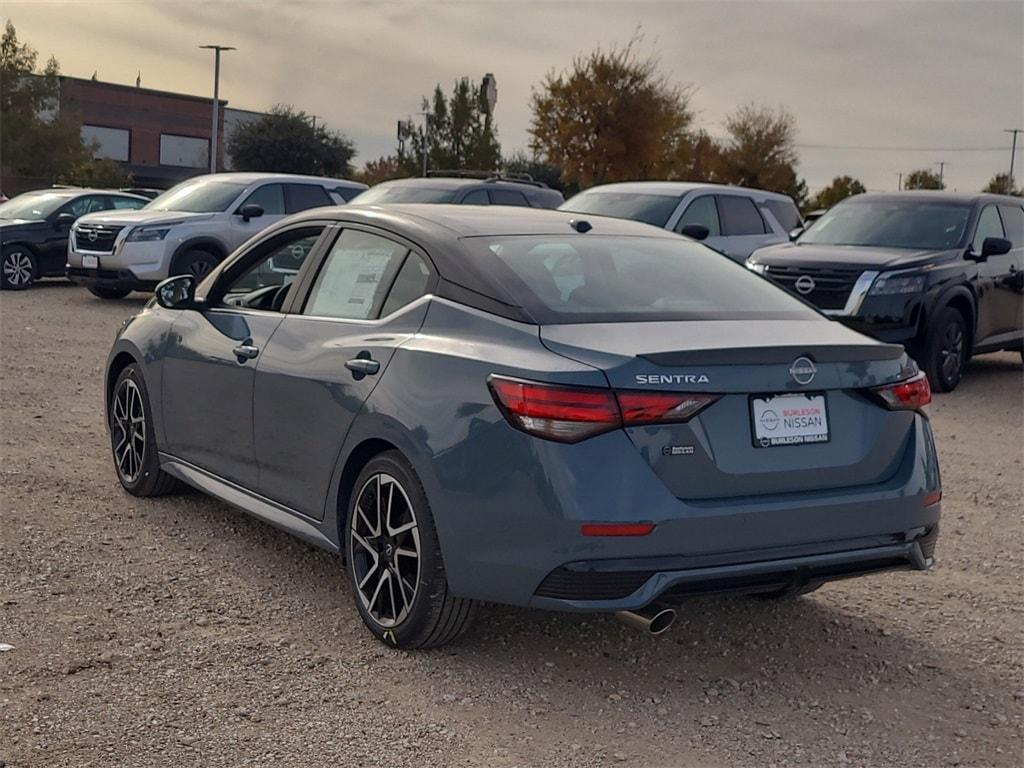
(917, 224)
(650, 209)
(398, 194)
(585, 279)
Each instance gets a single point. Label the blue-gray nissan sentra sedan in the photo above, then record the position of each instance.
(526, 407)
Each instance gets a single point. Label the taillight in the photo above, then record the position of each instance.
(912, 394)
(570, 414)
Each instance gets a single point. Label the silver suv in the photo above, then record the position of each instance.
(735, 221)
(190, 228)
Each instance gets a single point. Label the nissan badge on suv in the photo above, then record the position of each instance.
(938, 272)
(190, 228)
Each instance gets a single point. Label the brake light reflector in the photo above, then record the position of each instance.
(616, 529)
(564, 414)
(912, 394)
(661, 407)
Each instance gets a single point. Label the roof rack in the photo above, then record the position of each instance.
(488, 176)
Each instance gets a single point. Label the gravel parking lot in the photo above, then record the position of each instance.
(180, 632)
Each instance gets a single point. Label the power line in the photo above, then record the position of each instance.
(903, 149)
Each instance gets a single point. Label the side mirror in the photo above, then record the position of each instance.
(64, 219)
(795, 233)
(696, 231)
(250, 211)
(177, 292)
(995, 246)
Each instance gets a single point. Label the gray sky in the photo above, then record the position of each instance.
(936, 75)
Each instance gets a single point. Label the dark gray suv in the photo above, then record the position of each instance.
(464, 190)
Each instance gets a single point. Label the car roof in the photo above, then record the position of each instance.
(680, 188)
(76, 191)
(248, 177)
(934, 195)
(455, 182)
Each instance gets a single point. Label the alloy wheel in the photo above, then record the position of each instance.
(199, 269)
(129, 431)
(17, 269)
(385, 550)
(951, 352)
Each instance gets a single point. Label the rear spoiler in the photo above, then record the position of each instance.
(843, 353)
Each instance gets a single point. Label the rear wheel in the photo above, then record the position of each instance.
(17, 268)
(194, 262)
(108, 293)
(395, 565)
(946, 350)
(131, 437)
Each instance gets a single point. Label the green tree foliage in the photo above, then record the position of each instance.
(922, 179)
(612, 116)
(460, 133)
(35, 141)
(285, 141)
(1000, 185)
(841, 188)
(761, 151)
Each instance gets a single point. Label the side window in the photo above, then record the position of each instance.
(476, 197)
(701, 211)
(276, 264)
(355, 276)
(785, 213)
(989, 225)
(270, 197)
(410, 283)
(1013, 221)
(302, 197)
(507, 197)
(739, 216)
(87, 204)
(127, 203)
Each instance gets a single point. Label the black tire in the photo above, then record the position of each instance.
(108, 293)
(140, 474)
(946, 350)
(195, 262)
(790, 593)
(433, 616)
(18, 268)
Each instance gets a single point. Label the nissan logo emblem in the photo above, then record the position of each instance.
(93, 235)
(804, 284)
(802, 370)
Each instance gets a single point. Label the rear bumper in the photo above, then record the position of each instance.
(628, 585)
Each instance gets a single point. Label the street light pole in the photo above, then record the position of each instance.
(1013, 152)
(216, 100)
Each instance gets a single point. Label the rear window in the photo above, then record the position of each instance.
(785, 213)
(397, 194)
(650, 209)
(507, 197)
(581, 279)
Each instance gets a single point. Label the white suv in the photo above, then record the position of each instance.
(189, 228)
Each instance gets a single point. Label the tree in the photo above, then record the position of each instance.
(382, 169)
(460, 133)
(922, 179)
(521, 162)
(1000, 185)
(285, 141)
(841, 188)
(612, 116)
(761, 151)
(36, 141)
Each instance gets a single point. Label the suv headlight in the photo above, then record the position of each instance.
(143, 234)
(897, 284)
(756, 267)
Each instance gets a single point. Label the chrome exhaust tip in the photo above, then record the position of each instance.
(653, 619)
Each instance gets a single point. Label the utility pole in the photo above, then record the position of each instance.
(1013, 153)
(899, 184)
(313, 118)
(216, 100)
(942, 167)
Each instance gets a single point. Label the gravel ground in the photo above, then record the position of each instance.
(180, 632)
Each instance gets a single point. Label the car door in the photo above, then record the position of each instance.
(322, 363)
(997, 301)
(743, 228)
(1013, 284)
(211, 356)
(54, 249)
(702, 211)
(269, 197)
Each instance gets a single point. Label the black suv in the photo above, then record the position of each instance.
(940, 273)
(464, 188)
(34, 230)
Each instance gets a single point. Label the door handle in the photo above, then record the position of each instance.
(246, 351)
(364, 366)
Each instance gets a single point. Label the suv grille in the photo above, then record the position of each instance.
(831, 289)
(96, 237)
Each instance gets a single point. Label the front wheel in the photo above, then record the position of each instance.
(131, 437)
(946, 350)
(17, 268)
(108, 293)
(195, 262)
(394, 560)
